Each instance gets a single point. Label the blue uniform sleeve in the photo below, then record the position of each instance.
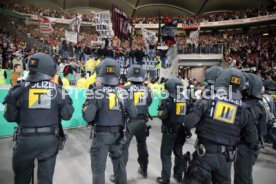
(89, 110)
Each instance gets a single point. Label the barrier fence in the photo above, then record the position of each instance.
(78, 97)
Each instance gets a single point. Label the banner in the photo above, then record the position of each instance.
(120, 23)
(75, 24)
(102, 22)
(45, 25)
(149, 37)
(193, 38)
(168, 30)
(71, 36)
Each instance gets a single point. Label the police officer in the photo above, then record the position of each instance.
(219, 123)
(106, 109)
(171, 112)
(270, 104)
(142, 98)
(37, 106)
(248, 152)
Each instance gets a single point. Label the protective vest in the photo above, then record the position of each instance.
(91, 80)
(175, 109)
(82, 83)
(178, 110)
(221, 123)
(259, 114)
(138, 94)
(110, 110)
(158, 65)
(39, 105)
(90, 65)
(127, 84)
(65, 82)
(2, 77)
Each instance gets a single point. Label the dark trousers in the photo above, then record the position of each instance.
(243, 166)
(44, 148)
(102, 144)
(210, 167)
(138, 128)
(172, 142)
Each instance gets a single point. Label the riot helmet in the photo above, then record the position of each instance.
(42, 67)
(212, 73)
(254, 86)
(136, 73)
(108, 72)
(230, 77)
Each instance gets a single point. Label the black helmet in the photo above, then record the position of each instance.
(136, 73)
(42, 67)
(212, 73)
(172, 84)
(231, 77)
(108, 72)
(255, 85)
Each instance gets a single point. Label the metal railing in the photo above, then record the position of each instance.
(202, 49)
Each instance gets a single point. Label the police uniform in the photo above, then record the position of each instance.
(141, 96)
(107, 114)
(38, 107)
(219, 123)
(172, 111)
(248, 152)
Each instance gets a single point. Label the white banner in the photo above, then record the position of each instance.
(149, 37)
(193, 38)
(102, 22)
(71, 36)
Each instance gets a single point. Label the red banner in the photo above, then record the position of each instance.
(120, 23)
(45, 25)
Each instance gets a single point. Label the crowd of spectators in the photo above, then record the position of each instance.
(240, 50)
(35, 10)
(185, 20)
(209, 17)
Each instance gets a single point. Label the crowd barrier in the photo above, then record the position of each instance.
(78, 97)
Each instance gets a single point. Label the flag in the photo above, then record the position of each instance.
(120, 23)
(168, 32)
(75, 24)
(193, 38)
(45, 25)
(149, 37)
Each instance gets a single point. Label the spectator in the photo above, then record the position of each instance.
(16, 74)
(139, 55)
(17, 60)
